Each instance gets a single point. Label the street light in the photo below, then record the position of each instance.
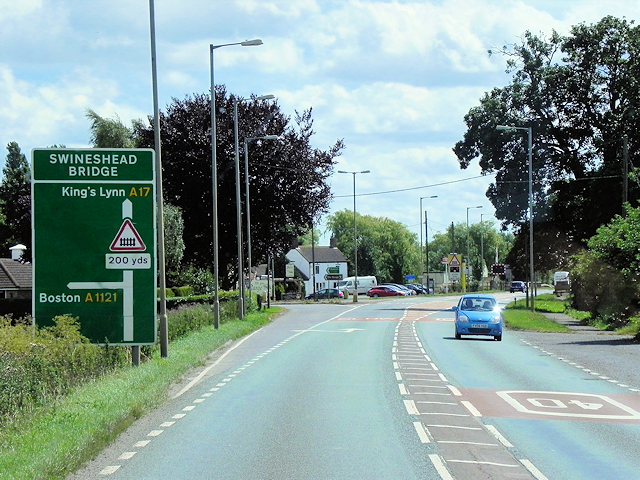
(214, 177)
(246, 186)
(355, 235)
(426, 234)
(468, 261)
(482, 238)
(531, 270)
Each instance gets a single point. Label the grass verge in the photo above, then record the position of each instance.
(518, 317)
(57, 440)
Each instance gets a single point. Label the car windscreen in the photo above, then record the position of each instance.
(478, 304)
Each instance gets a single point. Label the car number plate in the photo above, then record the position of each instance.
(479, 325)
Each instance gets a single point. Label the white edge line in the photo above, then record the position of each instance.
(422, 432)
(532, 468)
(494, 431)
(473, 410)
(440, 468)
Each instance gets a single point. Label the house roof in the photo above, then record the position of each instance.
(322, 254)
(14, 274)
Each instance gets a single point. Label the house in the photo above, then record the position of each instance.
(15, 276)
(328, 263)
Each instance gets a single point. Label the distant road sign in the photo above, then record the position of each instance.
(333, 277)
(94, 241)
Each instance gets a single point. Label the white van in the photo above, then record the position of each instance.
(346, 286)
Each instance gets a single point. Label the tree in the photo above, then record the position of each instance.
(15, 198)
(579, 106)
(386, 248)
(110, 132)
(288, 189)
(173, 241)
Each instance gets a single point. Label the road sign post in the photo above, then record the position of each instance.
(94, 242)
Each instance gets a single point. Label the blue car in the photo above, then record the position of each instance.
(478, 314)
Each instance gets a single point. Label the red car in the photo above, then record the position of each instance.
(385, 291)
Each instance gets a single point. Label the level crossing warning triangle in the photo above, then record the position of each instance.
(128, 239)
(453, 261)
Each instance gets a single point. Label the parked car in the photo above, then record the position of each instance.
(407, 291)
(416, 287)
(518, 287)
(478, 314)
(326, 293)
(385, 291)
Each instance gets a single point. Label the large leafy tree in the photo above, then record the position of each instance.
(15, 200)
(580, 94)
(386, 248)
(288, 189)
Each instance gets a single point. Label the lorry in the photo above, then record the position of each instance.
(347, 286)
(561, 283)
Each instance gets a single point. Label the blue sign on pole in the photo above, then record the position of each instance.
(410, 277)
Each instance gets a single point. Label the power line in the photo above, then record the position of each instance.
(409, 189)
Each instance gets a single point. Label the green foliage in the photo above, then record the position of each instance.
(386, 248)
(200, 279)
(618, 243)
(601, 289)
(288, 177)
(579, 94)
(15, 200)
(173, 237)
(109, 132)
(39, 364)
(518, 318)
(184, 291)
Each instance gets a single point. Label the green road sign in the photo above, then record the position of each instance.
(94, 241)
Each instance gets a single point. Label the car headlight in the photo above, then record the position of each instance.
(496, 319)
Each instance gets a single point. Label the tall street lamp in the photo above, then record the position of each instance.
(355, 235)
(426, 234)
(468, 259)
(214, 176)
(246, 186)
(482, 238)
(531, 269)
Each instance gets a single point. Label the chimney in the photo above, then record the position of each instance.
(17, 251)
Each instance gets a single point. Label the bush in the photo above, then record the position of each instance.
(183, 291)
(40, 364)
(601, 289)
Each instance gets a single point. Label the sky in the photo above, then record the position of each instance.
(393, 79)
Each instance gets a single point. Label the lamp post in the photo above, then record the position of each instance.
(531, 269)
(468, 261)
(482, 238)
(246, 186)
(355, 235)
(426, 235)
(214, 176)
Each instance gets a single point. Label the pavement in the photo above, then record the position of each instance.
(573, 324)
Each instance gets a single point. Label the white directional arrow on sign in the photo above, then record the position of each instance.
(127, 297)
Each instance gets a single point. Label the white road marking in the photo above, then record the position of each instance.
(440, 467)
(411, 407)
(534, 471)
(154, 433)
(454, 390)
(423, 435)
(474, 411)
(126, 455)
(141, 443)
(109, 470)
(494, 431)
(403, 389)
(495, 464)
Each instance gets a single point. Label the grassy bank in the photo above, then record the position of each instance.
(517, 316)
(57, 439)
